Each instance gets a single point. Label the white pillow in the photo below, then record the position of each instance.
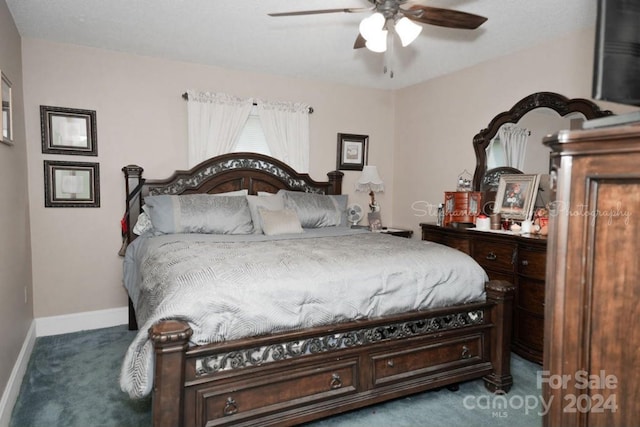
(280, 222)
(274, 203)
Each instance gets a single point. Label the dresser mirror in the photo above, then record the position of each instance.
(532, 118)
(529, 120)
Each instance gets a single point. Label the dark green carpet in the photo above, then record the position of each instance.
(72, 380)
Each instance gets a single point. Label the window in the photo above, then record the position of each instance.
(252, 137)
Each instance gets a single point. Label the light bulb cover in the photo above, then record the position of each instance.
(379, 43)
(371, 26)
(407, 31)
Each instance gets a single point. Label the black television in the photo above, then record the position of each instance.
(616, 75)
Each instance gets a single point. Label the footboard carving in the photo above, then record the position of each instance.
(384, 359)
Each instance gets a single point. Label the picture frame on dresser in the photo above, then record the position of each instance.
(516, 196)
(71, 184)
(68, 131)
(352, 151)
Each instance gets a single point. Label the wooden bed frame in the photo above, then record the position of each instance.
(294, 377)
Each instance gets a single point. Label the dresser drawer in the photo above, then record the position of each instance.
(532, 263)
(494, 255)
(531, 295)
(303, 384)
(460, 243)
(400, 364)
(529, 332)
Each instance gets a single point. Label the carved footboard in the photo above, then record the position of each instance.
(289, 378)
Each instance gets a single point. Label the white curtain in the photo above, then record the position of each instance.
(286, 129)
(215, 122)
(515, 145)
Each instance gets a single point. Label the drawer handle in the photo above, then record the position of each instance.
(492, 256)
(390, 363)
(525, 262)
(231, 407)
(466, 354)
(336, 382)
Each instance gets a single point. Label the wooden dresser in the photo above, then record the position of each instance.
(517, 259)
(592, 316)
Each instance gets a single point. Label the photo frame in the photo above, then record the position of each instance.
(516, 196)
(6, 119)
(352, 151)
(68, 131)
(71, 184)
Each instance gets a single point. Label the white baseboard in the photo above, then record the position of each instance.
(56, 325)
(12, 389)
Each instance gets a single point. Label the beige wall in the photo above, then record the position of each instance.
(437, 120)
(141, 118)
(15, 258)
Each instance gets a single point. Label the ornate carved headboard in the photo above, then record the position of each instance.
(228, 172)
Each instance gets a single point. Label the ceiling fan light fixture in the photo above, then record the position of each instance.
(378, 43)
(407, 31)
(372, 26)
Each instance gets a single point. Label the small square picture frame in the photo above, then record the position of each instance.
(68, 131)
(71, 184)
(516, 196)
(352, 151)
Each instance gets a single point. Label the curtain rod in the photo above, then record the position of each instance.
(185, 96)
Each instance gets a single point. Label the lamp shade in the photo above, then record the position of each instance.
(407, 30)
(370, 180)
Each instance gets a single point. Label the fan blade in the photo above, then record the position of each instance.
(444, 17)
(360, 42)
(315, 12)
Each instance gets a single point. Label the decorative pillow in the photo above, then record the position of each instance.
(280, 222)
(143, 224)
(199, 213)
(317, 210)
(273, 203)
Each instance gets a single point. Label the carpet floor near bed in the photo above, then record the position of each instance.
(72, 381)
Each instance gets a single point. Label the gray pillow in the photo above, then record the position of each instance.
(199, 213)
(317, 210)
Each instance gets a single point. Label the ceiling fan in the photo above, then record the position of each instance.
(391, 16)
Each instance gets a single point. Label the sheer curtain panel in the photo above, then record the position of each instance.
(286, 129)
(515, 145)
(215, 121)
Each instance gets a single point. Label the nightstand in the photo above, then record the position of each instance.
(397, 232)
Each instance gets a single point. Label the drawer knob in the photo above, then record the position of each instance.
(336, 382)
(492, 256)
(525, 262)
(231, 407)
(390, 363)
(465, 352)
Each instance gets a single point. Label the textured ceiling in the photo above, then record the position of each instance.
(239, 34)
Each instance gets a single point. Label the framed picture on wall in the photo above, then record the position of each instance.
(68, 131)
(516, 196)
(71, 184)
(6, 120)
(352, 151)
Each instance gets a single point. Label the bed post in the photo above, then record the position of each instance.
(335, 178)
(132, 179)
(501, 293)
(170, 340)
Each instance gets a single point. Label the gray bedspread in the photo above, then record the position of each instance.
(235, 287)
